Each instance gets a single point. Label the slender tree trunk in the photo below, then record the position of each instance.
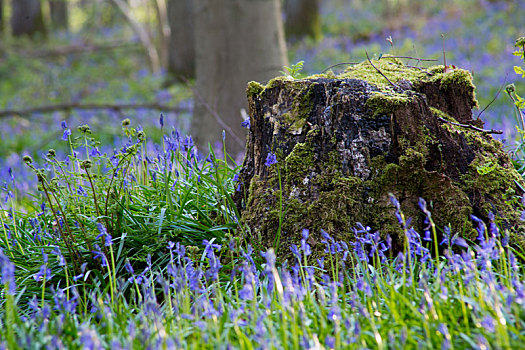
(163, 30)
(302, 19)
(1, 16)
(26, 18)
(181, 56)
(236, 41)
(59, 14)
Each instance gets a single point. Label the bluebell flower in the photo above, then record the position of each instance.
(43, 273)
(66, 134)
(271, 159)
(8, 273)
(108, 240)
(480, 228)
(246, 123)
(99, 255)
(161, 120)
(88, 338)
(330, 342)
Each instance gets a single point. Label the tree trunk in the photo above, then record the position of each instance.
(26, 18)
(302, 19)
(344, 144)
(59, 14)
(1, 16)
(236, 41)
(181, 54)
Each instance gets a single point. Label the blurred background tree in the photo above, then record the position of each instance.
(1, 16)
(302, 19)
(59, 14)
(236, 41)
(181, 61)
(27, 18)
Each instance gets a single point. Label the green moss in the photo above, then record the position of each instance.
(254, 88)
(299, 163)
(392, 68)
(382, 104)
(439, 113)
(278, 81)
(482, 141)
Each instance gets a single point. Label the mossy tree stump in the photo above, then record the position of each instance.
(344, 143)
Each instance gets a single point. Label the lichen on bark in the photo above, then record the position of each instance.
(344, 143)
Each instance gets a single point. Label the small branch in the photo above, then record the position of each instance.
(413, 58)
(338, 64)
(495, 97)
(142, 33)
(468, 126)
(377, 69)
(421, 69)
(218, 118)
(74, 49)
(73, 106)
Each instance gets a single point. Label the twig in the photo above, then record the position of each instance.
(495, 97)
(413, 58)
(218, 118)
(468, 126)
(72, 106)
(421, 69)
(75, 49)
(377, 69)
(142, 33)
(338, 64)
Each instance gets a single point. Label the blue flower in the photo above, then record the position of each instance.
(104, 233)
(271, 159)
(66, 134)
(8, 273)
(246, 123)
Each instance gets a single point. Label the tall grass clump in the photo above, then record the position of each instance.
(143, 248)
(98, 212)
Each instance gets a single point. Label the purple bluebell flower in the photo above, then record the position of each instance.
(61, 261)
(480, 228)
(99, 255)
(488, 324)
(88, 338)
(43, 274)
(330, 342)
(246, 123)
(271, 159)
(161, 120)
(108, 240)
(446, 344)
(8, 273)
(493, 228)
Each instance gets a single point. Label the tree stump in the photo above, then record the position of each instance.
(344, 143)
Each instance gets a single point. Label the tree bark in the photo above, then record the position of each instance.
(59, 14)
(344, 144)
(1, 16)
(181, 54)
(302, 19)
(26, 18)
(236, 41)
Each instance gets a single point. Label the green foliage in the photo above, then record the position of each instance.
(519, 103)
(294, 71)
(119, 208)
